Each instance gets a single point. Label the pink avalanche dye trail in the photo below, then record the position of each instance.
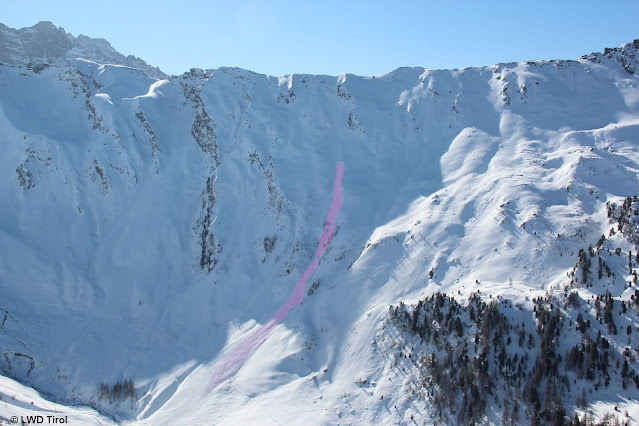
(233, 360)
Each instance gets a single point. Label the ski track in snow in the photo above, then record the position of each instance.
(234, 359)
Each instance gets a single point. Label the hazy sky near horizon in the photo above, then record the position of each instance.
(279, 37)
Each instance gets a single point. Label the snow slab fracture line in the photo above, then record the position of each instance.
(233, 360)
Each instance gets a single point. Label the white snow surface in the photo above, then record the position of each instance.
(21, 401)
(120, 189)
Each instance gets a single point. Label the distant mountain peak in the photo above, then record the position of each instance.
(46, 43)
(45, 25)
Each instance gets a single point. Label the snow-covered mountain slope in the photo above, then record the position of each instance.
(150, 226)
(25, 405)
(44, 43)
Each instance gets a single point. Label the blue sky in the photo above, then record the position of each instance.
(333, 37)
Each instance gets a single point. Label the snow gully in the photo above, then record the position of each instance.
(234, 359)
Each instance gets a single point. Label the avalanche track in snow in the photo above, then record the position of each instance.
(234, 359)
